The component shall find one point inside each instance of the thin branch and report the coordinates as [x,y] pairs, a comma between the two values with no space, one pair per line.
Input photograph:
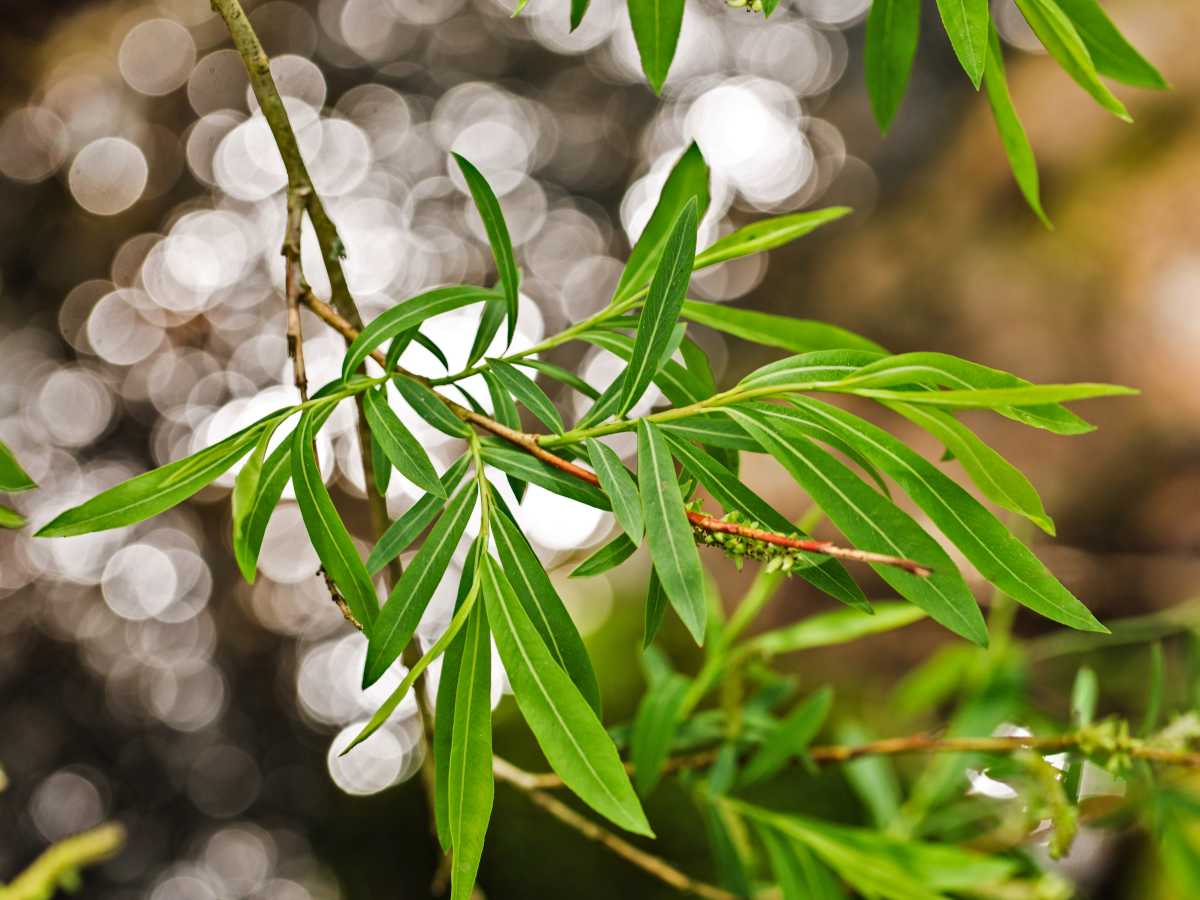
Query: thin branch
[293,278]
[530,443]
[647,862]
[59,865]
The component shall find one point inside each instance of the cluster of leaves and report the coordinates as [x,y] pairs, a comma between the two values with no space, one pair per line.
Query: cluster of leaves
[1078,34]
[506,595]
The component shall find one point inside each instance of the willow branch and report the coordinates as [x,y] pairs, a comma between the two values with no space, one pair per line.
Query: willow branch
[647,862]
[293,280]
[59,865]
[531,444]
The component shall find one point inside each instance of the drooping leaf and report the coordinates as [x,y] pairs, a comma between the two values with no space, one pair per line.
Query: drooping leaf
[516,462]
[497,232]
[790,738]
[403,316]
[155,491]
[668,533]
[874,523]
[381,467]
[966,24]
[620,487]
[558,373]
[797,335]
[688,179]
[408,527]
[607,557]
[402,449]
[654,727]
[799,874]
[661,311]
[10,518]
[655,609]
[525,391]
[565,726]
[579,9]
[679,385]
[495,311]
[767,234]
[1063,42]
[407,602]
[656,25]
[13,478]
[427,404]
[839,626]
[893,27]
[325,528]
[1012,133]
[544,607]
[242,498]
[1113,55]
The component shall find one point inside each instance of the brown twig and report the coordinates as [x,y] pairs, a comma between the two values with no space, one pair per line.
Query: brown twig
[293,278]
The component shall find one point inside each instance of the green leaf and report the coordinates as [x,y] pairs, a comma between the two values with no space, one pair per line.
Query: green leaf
[544,607]
[429,405]
[679,385]
[328,534]
[494,313]
[470,785]
[607,557]
[767,234]
[654,727]
[688,179]
[528,468]
[1001,482]
[1112,54]
[661,312]
[711,429]
[1000,558]
[155,491]
[10,518]
[406,604]
[872,778]
[381,467]
[822,572]
[656,25]
[832,367]
[1012,133]
[966,24]
[797,335]
[725,833]
[893,27]
[558,373]
[995,398]
[403,316]
[1154,690]
[406,529]
[1063,42]
[799,874]
[839,626]
[790,737]
[579,9]
[668,533]
[655,608]
[874,523]
[525,390]
[565,726]
[13,479]
[620,487]
[497,232]
[243,499]
[398,443]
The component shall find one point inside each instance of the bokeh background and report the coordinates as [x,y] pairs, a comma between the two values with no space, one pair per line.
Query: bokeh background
[141,213]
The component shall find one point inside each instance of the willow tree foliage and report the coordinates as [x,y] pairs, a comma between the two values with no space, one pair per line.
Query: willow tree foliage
[739,720]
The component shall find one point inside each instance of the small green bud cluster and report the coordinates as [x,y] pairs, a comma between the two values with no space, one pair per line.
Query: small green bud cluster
[1110,739]
[740,548]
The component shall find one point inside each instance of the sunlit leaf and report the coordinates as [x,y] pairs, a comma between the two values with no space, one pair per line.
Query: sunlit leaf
[656,25]
[966,24]
[893,27]
[767,234]
[10,518]
[246,491]
[839,626]
[497,232]
[13,478]
[812,367]
[1113,55]
[797,335]
[620,487]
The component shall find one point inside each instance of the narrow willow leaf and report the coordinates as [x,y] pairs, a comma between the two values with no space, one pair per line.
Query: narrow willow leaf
[565,726]
[874,523]
[513,461]
[412,593]
[408,527]
[1012,133]
[822,572]
[655,609]
[679,385]
[993,398]
[326,532]
[992,549]
[797,335]
[495,311]
[242,503]
[558,373]
[401,448]
[525,390]
[668,533]
[1113,55]
[656,25]
[872,778]
[1063,42]
[544,607]
[1085,692]
[688,179]
[620,487]
[505,412]
[654,727]
[767,234]
[798,873]
[579,9]
[893,27]
[815,367]
[966,24]
[13,479]
[839,626]
[155,491]
[790,738]
[403,316]
[999,480]
[661,311]
[381,467]
[607,557]
[723,830]
[10,518]
[470,785]
[711,429]
[497,232]
[695,362]
[1154,691]
[427,404]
